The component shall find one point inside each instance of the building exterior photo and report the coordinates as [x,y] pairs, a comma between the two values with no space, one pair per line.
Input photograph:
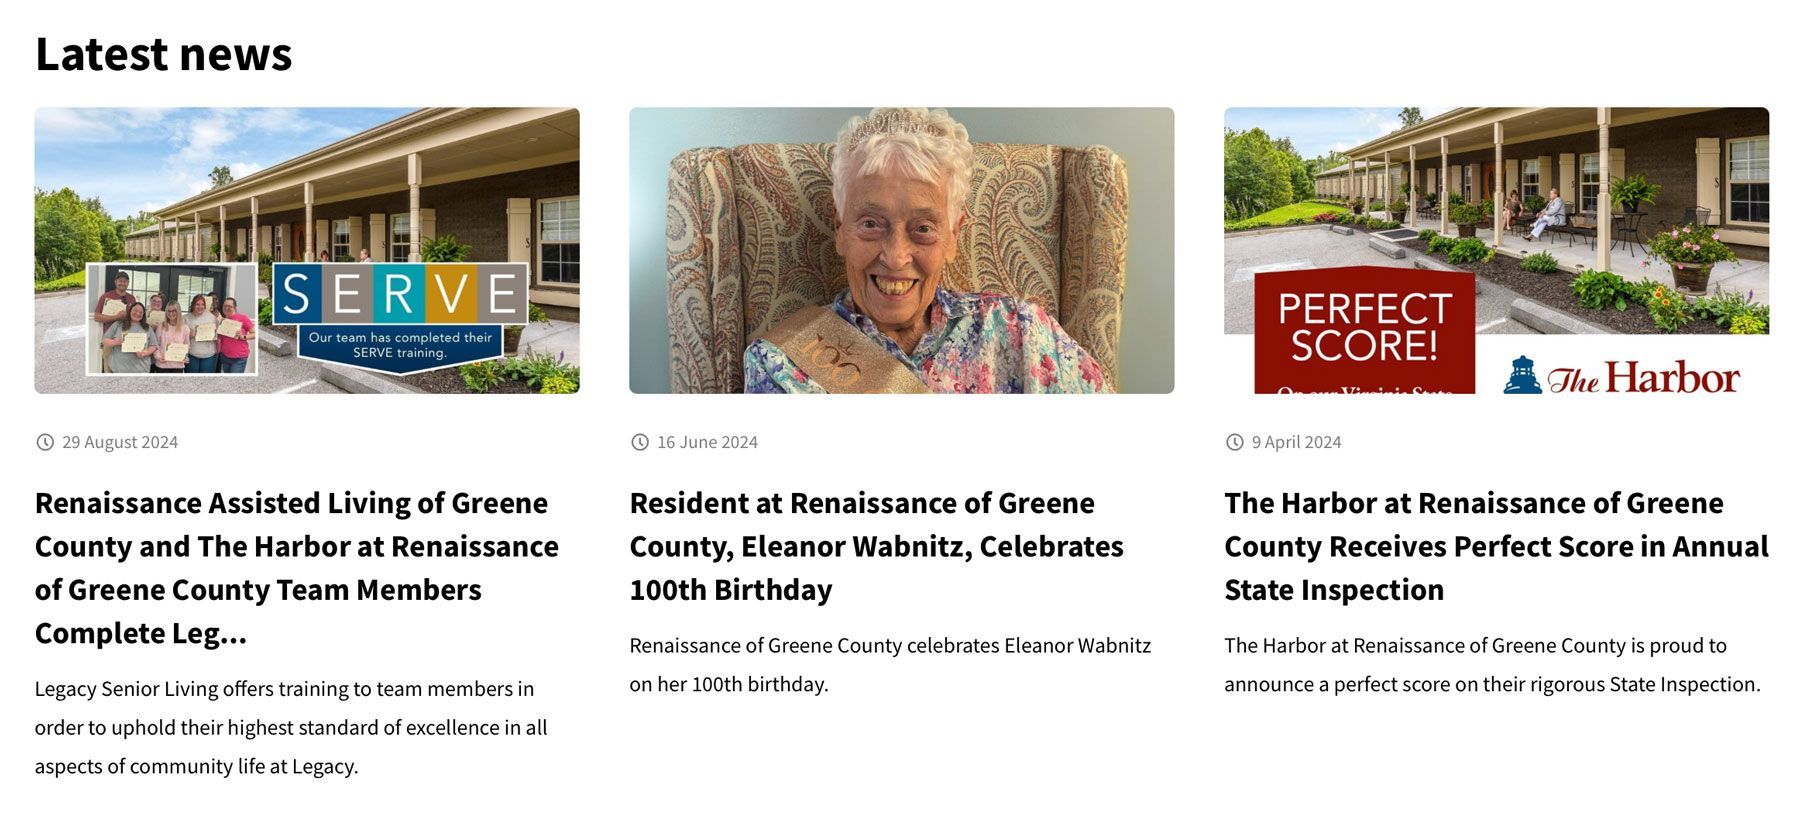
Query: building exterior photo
[502,180]
[1715,159]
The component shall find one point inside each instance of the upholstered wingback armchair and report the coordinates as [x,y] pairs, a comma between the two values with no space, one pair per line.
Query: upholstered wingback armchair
[751,241]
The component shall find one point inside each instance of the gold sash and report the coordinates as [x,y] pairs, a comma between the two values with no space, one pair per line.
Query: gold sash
[838,357]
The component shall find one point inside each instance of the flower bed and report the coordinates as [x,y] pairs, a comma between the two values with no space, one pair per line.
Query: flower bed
[1556,291]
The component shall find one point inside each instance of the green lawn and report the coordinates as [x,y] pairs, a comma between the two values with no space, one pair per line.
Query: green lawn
[1284,214]
[75,280]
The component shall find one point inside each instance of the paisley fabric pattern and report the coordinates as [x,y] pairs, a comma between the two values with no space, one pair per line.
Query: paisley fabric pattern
[750,242]
[975,343]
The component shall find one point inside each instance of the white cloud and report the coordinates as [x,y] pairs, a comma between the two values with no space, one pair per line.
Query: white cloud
[94,125]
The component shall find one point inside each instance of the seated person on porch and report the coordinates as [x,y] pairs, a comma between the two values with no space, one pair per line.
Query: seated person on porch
[1553,214]
[1512,211]
[899,181]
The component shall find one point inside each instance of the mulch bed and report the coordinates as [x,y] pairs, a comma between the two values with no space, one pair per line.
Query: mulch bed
[1553,290]
[449,380]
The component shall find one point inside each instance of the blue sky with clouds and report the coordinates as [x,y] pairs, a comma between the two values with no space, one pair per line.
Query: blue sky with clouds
[1316,131]
[145,158]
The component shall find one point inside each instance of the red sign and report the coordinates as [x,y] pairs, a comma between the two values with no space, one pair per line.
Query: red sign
[1365,329]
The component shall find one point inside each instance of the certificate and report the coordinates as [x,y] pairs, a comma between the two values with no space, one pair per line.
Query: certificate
[135,342]
[157,318]
[231,328]
[175,352]
[206,332]
[113,306]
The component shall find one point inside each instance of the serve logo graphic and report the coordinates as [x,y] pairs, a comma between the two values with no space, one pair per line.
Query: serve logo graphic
[400,317]
[1622,376]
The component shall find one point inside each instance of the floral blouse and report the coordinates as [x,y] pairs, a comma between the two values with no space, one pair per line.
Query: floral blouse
[975,343]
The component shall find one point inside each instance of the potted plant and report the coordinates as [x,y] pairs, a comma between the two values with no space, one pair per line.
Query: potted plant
[1691,251]
[1535,203]
[1465,216]
[1356,205]
[1632,191]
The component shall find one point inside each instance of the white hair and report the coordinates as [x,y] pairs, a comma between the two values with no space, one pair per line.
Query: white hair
[916,143]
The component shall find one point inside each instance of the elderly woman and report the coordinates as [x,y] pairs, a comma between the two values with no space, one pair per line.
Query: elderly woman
[899,181]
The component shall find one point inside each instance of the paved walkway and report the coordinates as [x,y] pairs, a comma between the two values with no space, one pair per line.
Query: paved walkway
[1248,255]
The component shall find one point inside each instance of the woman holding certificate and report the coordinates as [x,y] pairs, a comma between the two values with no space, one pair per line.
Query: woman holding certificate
[203,350]
[235,333]
[130,343]
[173,338]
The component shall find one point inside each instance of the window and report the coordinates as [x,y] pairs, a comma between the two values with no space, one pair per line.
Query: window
[400,242]
[1468,183]
[340,241]
[1529,176]
[1589,201]
[1749,176]
[188,285]
[559,241]
[143,283]
[275,235]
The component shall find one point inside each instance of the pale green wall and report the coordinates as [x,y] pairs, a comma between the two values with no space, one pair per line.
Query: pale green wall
[1145,137]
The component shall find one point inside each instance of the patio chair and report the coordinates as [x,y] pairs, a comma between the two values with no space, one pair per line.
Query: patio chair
[1570,229]
[750,241]
[1691,215]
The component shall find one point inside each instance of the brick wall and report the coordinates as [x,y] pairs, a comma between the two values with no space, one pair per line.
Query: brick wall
[474,210]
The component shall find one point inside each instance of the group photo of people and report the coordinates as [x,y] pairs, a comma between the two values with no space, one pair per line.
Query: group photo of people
[170,320]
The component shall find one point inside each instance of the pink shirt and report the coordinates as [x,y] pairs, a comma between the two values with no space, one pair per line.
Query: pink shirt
[167,336]
[236,348]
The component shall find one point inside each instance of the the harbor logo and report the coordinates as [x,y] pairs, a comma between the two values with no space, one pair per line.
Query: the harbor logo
[1523,380]
[1623,376]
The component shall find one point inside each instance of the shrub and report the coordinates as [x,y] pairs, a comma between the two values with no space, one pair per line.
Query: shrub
[1441,244]
[1328,216]
[1465,214]
[1640,291]
[265,312]
[1748,324]
[1428,235]
[1598,289]
[1297,221]
[481,377]
[1542,263]
[1535,203]
[1691,244]
[535,369]
[1726,307]
[265,269]
[1470,250]
[443,249]
[1378,205]
[1669,309]
[1633,191]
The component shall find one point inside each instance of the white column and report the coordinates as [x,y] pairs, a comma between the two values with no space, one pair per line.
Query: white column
[1499,182]
[1603,227]
[199,253]
[1387,176]
[1444,185]
[162,243]
[307,194]
[415,174]
[1412,186]
[224,253]
[255,247]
